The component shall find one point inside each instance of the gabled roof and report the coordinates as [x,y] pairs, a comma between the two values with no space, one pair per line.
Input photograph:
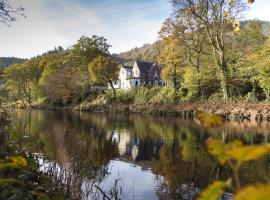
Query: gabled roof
[144,66]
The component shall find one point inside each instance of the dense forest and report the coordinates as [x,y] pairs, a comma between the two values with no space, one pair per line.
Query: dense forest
[6,61]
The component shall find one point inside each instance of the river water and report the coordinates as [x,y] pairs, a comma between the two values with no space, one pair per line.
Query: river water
[132,156]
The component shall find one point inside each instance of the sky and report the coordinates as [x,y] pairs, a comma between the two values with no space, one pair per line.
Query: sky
[125,23]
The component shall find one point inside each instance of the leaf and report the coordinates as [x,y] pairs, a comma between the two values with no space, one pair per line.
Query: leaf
[253,192]
[237,30]
[208,119]
[215,190]
[247,153]
[217,148]
[251,1]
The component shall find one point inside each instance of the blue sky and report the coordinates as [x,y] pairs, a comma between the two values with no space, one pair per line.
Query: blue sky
[125,23]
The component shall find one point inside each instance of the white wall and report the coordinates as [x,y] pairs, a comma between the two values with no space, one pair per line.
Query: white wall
[136,71]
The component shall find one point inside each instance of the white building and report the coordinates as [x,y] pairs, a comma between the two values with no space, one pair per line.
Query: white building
[141,74]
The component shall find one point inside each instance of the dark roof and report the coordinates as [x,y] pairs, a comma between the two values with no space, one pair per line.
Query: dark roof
[127,67]
[144,66]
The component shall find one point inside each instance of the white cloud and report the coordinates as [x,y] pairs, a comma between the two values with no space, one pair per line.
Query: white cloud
[259,9]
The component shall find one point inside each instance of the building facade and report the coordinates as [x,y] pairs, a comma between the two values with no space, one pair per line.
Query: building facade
[141,74]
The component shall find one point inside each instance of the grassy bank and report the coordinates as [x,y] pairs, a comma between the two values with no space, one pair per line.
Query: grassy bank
[163,101]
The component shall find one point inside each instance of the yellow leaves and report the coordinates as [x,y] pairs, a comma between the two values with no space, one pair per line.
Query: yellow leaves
[13,162]
[226,14]
[236,25]
[231,3]
[237,30]
[235,151]
[217,148]
[7,180]
[215,190]
[254,192]
[208,119]
[247,153]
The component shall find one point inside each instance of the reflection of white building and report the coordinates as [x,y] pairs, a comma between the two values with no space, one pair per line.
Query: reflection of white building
[126,144]
[122,139]
[134,152]
[141,74]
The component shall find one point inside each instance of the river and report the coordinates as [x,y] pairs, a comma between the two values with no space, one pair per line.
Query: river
[132,156]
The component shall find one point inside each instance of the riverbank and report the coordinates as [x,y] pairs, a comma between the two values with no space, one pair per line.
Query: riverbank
[230,111]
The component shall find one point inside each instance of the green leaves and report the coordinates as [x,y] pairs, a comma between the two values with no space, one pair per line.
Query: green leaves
[254,192]
[215,190]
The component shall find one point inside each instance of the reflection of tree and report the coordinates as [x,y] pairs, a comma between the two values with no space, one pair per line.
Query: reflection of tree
[83,145]
[82,156]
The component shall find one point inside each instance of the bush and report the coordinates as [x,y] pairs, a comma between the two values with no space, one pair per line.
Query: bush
[144,95]
[165,95]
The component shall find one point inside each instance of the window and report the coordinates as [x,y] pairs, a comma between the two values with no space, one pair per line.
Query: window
[156,73]
[136,83]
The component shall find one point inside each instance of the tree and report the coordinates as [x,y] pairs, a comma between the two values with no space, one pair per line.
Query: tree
[104,69]
[18,82]
[63,85]
[171,53]
[193,36]
[263,75]
[214,16]
[84,52]
[251,41]
[22,79]
[7,13]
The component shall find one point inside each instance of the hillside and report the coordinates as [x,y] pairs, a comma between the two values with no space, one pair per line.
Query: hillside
[147,52]
[6,61]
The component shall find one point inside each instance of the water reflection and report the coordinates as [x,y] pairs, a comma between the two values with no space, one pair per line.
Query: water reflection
[130,156]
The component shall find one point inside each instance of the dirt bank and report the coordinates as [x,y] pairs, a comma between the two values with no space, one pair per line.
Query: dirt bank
[231,111]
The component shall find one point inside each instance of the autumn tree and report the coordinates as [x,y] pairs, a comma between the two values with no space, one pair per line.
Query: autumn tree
[63,86]
[171,53]
[19,82]
[104,69]
[214,16]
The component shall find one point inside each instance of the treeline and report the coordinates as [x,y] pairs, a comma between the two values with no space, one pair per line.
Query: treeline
[6,61]
[61,76]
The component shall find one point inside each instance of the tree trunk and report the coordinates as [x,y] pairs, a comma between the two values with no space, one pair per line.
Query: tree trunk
[29,98]
[224,86]
[113,89]
[174,80]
